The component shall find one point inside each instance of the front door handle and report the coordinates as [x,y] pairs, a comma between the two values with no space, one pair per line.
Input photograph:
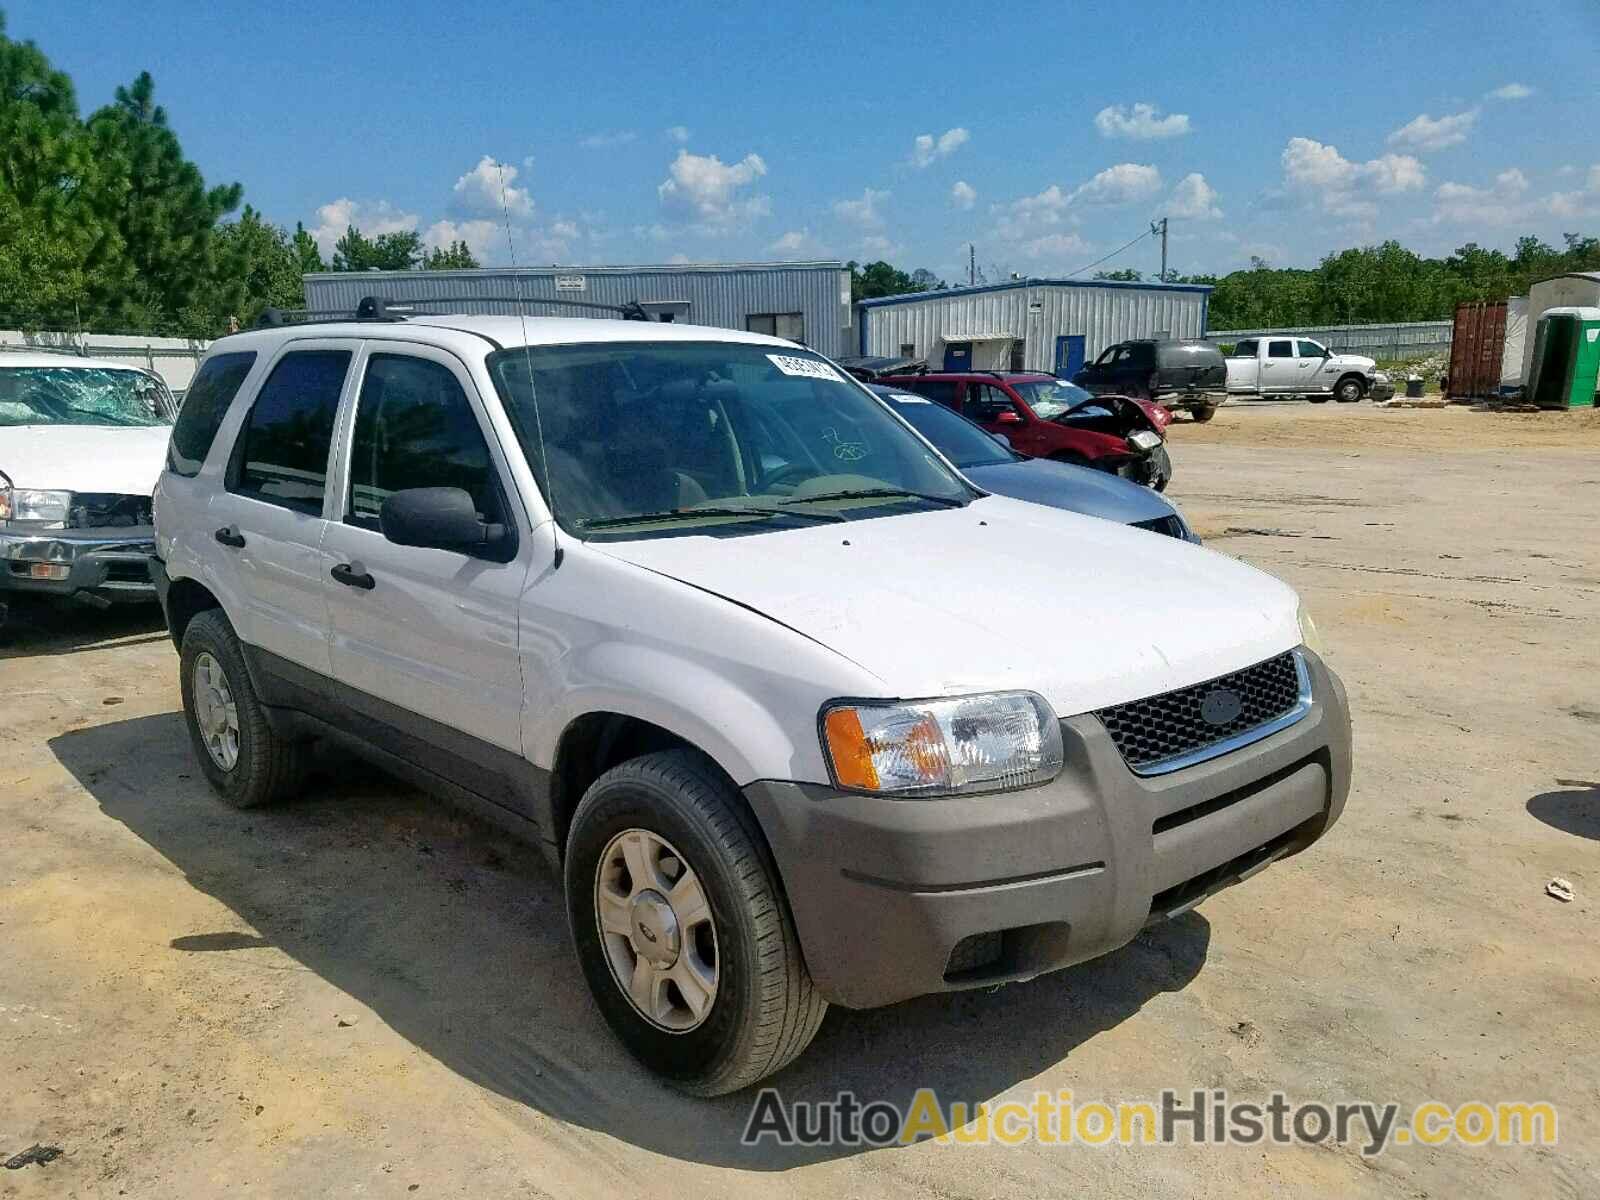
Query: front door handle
[228,535]
[350,577]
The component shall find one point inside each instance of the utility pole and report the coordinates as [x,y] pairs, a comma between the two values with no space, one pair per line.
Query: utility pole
[972,264]
[1161,228]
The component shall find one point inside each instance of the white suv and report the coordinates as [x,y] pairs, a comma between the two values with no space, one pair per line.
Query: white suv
[802,714]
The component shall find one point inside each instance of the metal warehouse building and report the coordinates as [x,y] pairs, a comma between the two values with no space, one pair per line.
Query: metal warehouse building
[1028,324]
[807,302]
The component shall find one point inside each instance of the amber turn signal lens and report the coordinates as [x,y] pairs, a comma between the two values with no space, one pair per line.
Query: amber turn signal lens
[847,746]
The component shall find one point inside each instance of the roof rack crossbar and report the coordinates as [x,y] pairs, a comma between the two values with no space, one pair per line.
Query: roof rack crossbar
[631,311]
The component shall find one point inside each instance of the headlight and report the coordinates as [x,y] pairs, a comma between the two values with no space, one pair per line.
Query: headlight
[34,506]
[1380,377]
[984,743]
[1144,440]
[1308,632]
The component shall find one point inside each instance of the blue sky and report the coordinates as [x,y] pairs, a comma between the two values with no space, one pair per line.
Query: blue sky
[1046,134]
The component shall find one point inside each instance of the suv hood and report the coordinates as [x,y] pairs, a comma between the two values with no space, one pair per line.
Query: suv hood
[1355,360]
[85,458]
[1000,594]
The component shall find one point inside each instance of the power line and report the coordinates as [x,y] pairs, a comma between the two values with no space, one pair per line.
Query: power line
[1113,254]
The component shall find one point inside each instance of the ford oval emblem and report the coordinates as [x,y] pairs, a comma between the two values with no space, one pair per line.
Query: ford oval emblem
[1221,707]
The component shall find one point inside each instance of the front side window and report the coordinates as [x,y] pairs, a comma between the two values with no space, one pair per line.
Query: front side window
[415,429]
[1312,350]
[282,452]
[985,402]
[204,406]
[657,439]
[103,396]
[1246,348]
[1049,398]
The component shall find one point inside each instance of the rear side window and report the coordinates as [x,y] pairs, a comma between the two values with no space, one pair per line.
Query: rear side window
[414,428]
[1246,348]
[207,402]
[1280,349]
[282,453]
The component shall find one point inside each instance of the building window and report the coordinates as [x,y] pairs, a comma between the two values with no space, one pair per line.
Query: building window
[784,325]
[908,350]
[1019,353]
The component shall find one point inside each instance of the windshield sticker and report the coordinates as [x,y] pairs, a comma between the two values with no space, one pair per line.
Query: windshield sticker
[904,398]
[843,450]
[804,368]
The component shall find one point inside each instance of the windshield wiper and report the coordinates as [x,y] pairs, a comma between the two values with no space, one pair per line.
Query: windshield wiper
[887,493]
[727,510]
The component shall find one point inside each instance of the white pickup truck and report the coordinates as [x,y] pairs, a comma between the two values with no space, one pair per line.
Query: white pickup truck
[1297,366]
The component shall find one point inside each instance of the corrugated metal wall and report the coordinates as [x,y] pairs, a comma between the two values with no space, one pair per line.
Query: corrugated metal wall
[1403,339]
[1104,315]
[720,295]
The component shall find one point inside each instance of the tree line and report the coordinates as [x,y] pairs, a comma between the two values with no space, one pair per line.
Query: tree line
[105,226]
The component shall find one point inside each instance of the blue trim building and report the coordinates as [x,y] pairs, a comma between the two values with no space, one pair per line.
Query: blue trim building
[1028,324]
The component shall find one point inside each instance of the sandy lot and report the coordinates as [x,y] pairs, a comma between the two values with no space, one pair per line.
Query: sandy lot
[362,993]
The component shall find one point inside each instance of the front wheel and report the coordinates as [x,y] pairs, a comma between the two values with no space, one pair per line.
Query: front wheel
[682,928]
[1349,390]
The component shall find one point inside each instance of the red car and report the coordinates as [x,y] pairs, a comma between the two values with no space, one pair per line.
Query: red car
[1046,417]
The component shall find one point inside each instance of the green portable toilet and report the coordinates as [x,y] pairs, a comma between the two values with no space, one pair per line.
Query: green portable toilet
[1566,358]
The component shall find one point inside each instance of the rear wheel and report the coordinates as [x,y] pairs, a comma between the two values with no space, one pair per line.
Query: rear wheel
[681,926]
[244,760]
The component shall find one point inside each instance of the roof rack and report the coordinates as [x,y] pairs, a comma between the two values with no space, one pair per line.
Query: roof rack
[380,308]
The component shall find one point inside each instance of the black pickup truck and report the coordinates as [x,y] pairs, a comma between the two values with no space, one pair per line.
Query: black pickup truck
[1178,373]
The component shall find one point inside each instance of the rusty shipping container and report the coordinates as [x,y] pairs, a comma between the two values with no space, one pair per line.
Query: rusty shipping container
[1477,346]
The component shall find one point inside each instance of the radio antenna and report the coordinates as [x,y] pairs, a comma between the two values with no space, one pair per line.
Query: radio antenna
[527,359]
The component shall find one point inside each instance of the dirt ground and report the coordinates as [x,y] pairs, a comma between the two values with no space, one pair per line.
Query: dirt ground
[364,994]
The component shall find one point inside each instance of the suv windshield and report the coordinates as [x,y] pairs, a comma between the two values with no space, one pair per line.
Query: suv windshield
[957,438]
[649,438]
[82,396]
[1049,398]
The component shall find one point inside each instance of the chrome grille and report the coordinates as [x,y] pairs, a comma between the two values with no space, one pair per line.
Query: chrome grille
[1160,731]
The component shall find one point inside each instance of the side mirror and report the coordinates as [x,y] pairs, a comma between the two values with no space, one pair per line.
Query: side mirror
[1007,416]
[439,518]
[1002,439]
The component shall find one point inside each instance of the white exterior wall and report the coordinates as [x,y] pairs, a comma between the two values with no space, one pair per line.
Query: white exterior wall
[1554,293]
[1104,315]
[1516,336]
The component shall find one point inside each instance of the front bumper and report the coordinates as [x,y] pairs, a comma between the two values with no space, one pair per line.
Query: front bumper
[899,898]
[1381,389]
[109,564]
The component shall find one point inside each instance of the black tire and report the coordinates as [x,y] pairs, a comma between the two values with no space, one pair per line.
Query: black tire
[1349,390]
[1160,469]
[766,1009]
[1317,399]
[268,767]
[1203,412]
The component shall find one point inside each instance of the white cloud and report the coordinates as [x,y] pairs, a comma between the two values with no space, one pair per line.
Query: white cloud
[487,191]
[927,149]
[1425,134]
[1142,123]
[679,259]
[678,133]
[1194,199]
[1120,184]
[1584,202]
[565,229]
[371,217]
[880,247]
[963,195]
[604,141]
[1057,248]
[1320,171]
[1511,91]
[798,242]
[480,236]
[1500,204]
[1030,215]
[707,189]
[863,212]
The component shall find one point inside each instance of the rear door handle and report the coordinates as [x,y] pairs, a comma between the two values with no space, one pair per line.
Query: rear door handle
[346,574]
[229,536]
